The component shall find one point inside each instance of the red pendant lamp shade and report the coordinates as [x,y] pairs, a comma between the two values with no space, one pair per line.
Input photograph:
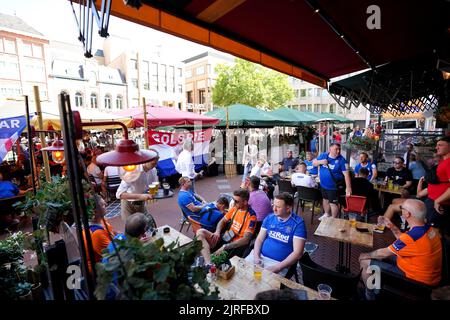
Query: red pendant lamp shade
[57,145]
[126,153]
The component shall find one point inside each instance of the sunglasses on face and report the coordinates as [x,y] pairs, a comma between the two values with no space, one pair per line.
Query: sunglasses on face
[396,162]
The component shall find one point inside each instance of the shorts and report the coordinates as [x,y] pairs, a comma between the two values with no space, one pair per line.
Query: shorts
[330,195]
[389,265]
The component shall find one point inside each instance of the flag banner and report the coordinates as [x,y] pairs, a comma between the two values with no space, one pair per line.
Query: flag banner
[10,130]
[170,144]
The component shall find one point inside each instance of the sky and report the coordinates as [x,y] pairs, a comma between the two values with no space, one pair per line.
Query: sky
[55,19]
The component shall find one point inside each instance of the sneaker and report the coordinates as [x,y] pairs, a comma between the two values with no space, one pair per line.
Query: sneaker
[325,215]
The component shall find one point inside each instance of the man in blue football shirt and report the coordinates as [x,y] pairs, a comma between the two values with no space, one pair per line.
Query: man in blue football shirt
[365,163]
[282,237]
[312,170]
[332,172]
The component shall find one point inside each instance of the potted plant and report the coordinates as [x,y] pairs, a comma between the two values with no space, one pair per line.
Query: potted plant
[362,143]
[13,273]
[225,269]
[152,271]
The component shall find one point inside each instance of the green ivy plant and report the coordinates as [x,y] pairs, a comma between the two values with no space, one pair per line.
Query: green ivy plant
[361,143]
[219,259]
[13,273]
[152,271]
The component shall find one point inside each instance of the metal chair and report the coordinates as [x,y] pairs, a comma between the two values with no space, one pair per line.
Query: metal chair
[344,285]
[184,221]
[356,204]
[286,186]
[312,195]
[112,184]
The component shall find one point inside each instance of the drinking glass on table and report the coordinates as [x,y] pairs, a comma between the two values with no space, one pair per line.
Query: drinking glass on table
[352,219]
[258,266]
[324,291]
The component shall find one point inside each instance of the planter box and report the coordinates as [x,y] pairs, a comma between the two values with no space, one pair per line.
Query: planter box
[226,275]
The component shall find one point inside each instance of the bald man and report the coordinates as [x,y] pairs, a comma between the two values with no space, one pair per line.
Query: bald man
[416,254]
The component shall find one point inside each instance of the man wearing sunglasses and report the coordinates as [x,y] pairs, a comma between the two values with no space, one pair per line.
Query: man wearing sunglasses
[416,254]
[399,174]
[234,232]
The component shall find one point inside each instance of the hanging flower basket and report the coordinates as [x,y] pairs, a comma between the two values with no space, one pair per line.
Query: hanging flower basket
[362,143]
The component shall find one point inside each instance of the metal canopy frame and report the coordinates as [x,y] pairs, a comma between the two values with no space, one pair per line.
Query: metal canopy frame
[397,88]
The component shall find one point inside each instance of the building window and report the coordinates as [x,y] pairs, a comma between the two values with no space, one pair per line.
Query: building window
[94,101]
[180,88]
[303,107]
[134,82]
[147,85]
[189,97]
[302,93]
[37,51]
[134,64]
[188,73]
[297,93]
[200,70]
[10,46]
[332,107]
[317,92]
[108,101]
[78,99]
[119,102]
[310,92]
[201,96]
[317,108]
[180,72]
[324,108]
[26,49]
[310,107]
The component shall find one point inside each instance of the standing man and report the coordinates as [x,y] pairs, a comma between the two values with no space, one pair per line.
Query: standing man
[333,172]
[365,163]
[282,237]
[408,153]
[133,190]
[249,158]
[438,202]
[185,164]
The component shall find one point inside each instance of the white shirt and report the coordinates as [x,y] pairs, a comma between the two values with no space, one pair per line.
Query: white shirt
[185,164]
[265,168]
[303,180]
[111,171]
[256,171]
[95,171]
[140,185]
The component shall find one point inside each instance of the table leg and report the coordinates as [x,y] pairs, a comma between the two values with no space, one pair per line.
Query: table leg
[340,265]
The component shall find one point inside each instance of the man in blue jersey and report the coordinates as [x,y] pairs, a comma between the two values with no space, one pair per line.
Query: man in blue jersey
[312,170]
[333,172]
[365,163]
[282,237]
[188,201]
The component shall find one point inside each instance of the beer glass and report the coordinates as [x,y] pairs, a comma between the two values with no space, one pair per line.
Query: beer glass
[257,269]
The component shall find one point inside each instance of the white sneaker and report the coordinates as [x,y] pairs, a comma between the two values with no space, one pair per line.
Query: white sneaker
[325,215]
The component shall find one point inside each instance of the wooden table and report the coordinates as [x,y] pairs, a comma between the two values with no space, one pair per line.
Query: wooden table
[171,236]
[243,286]
[341,230]
[382,191]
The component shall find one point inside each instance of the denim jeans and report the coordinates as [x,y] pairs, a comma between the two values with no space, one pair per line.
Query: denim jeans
[247,170]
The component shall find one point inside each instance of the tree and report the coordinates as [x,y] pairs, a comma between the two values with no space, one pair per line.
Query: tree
[251,84]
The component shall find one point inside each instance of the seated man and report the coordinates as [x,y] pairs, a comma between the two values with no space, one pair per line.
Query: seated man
[282,237]
[301,179]
[288,163]
[99,230]
[188,201]
[212,213]
[259,201]
[236,238]
[361,186]
[399,174]
[416,254]
[365,163]
[310,168]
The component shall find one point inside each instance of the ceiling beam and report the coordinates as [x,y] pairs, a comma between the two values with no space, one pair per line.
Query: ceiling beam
[218,9]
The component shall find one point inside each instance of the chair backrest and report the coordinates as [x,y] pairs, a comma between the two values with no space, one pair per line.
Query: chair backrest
[195,224]
[309,194]
[286,186]
[343,285]
[396,287]
[355,204]
[113,180]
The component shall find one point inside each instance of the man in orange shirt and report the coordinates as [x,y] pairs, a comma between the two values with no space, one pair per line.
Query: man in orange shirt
[416,254]
[99,229]
[237,237]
